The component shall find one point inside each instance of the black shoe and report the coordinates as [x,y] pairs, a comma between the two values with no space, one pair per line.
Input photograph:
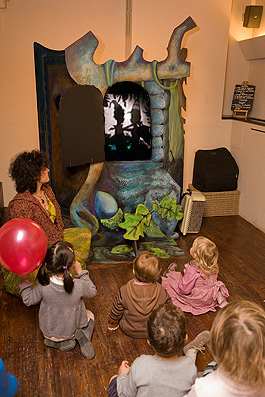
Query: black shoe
[64,345]
[86,346]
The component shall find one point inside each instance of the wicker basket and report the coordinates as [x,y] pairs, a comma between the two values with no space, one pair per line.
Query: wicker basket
[220,203]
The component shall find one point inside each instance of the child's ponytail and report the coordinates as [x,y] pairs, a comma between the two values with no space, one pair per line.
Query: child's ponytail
[59,258]
[68,282]
[42,275]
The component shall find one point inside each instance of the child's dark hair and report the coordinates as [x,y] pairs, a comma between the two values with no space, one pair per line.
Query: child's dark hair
[59,257]
[166,329]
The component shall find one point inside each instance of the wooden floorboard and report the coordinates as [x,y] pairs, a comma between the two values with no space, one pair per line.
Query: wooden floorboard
[46,372]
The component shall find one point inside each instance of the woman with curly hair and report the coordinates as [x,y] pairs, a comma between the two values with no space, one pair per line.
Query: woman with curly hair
[35,200]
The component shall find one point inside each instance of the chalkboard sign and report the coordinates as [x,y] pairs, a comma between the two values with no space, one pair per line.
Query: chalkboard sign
[243,97]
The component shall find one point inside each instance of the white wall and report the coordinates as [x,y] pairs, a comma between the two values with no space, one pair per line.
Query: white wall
[153,23]
[55,25]
[256,70]
[247,144]
[211,76]
[248,148]
[238,69]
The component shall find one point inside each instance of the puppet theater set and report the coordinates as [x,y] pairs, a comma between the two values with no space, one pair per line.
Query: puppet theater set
[114,136]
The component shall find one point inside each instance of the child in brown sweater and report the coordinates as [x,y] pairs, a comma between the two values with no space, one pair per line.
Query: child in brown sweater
[137,299]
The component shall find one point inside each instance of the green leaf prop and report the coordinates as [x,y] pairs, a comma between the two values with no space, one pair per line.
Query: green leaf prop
[169,208]
[122,249]
[160,253]
[135,224]
[141,222]
[113,223]
[153,230]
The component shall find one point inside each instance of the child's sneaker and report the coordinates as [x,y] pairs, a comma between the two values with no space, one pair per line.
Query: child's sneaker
[64,345]
[212,366]
[171,268]
[85,344]
[196,345]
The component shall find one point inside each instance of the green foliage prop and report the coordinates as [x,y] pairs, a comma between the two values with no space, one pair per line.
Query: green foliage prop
[122,249]
[138,224]
[113,223]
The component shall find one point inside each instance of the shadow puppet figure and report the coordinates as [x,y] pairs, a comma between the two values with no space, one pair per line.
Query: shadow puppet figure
[140,148]
[116,145]
[132,142]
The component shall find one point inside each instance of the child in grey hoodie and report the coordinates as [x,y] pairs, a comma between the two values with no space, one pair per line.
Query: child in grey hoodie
[63,317]
[166,373]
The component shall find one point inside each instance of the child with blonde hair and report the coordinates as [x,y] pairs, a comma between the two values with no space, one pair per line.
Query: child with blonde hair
[63,317]
[198,290]
[237,343]
[136,300]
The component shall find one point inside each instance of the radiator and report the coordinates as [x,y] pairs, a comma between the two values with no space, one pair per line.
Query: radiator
[193,203]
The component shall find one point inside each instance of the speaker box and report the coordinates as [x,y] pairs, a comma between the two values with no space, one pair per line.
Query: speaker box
[215,170]
[193,206]
[252,16]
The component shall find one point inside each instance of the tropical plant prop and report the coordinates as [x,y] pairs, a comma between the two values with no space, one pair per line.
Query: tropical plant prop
[113,222]
[162,249]
[141,222]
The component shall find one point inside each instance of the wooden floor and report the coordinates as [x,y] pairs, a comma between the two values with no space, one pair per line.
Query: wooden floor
[42,371]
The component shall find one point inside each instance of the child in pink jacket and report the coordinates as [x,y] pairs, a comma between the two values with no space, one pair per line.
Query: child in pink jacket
[198,290]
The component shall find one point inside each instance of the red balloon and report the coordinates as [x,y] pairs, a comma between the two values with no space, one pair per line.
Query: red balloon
[23,245]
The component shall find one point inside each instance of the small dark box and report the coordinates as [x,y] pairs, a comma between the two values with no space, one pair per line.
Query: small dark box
[252,16]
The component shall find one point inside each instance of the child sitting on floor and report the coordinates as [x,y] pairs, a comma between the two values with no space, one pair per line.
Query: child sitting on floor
[198,291]
[63,317]
[167,373]
[237,343]
[135,300]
